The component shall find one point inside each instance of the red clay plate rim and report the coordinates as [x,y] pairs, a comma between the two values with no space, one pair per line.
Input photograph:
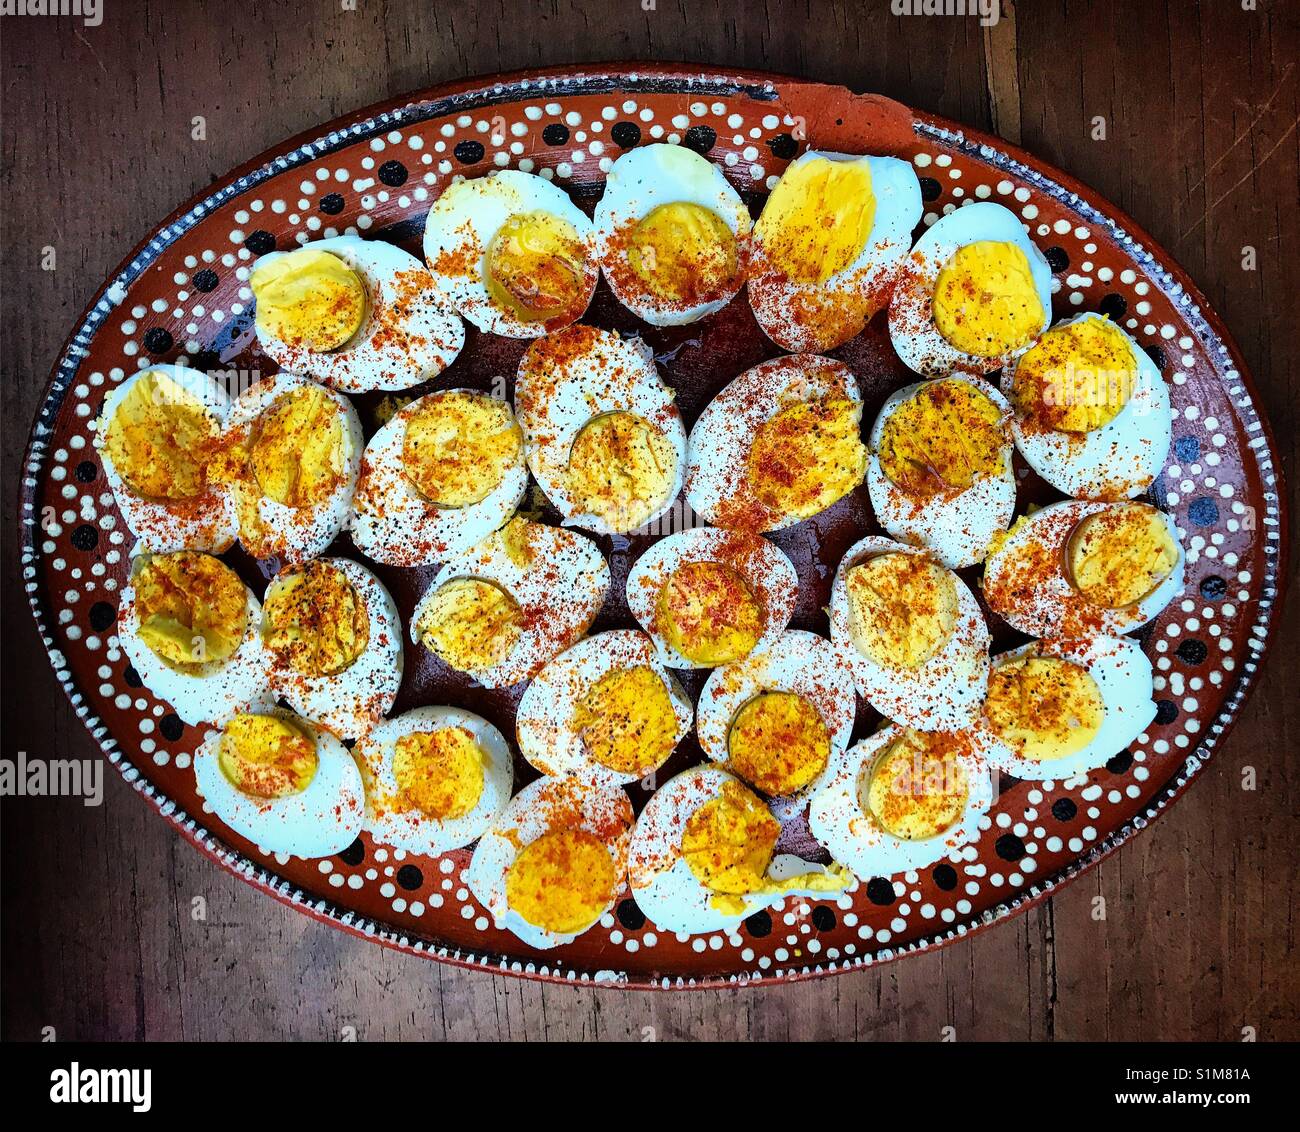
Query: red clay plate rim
[438,100]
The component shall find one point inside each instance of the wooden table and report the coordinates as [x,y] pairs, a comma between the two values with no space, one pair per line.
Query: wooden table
[1200,108]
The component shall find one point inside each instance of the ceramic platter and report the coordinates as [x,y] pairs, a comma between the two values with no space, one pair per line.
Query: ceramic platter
[184,292]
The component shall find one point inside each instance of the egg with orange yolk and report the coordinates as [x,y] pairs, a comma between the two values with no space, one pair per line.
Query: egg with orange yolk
[512,253]
[191,628]
[555,861]
[283,782]
[1061,708]
[1075,569]
[912,633]
[605,708]
[828,245]
[436,778]
[335,640]
[604,436]
[974,293]
[439,477]
[902,799]
[1092,413]
[672,234]
[159,437]
[703,856]
[940,474]
[357,315]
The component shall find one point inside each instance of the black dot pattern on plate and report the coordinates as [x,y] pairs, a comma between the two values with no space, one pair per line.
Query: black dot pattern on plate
[1187,448]
[630,916]
[468,152]
[625,134]
[171,727]
[86,472]
[393,174]
[1064,809]
[1192,651]
[331,204]
[1057,259]
[158,340]
[1203,512]
[206,360]
[260,242]
[557,133]
[759,925]
[1166,712]
[701,139]
[102,615]
[1113,306]
[1214,588]
[823,918]
[1119,764]
[1009,847]
[880,891]
[409,877]
[930,188]
[1157,355]
[85,537]
[945,877]
[783,146]
[132,677]
[354,854]
[204,280]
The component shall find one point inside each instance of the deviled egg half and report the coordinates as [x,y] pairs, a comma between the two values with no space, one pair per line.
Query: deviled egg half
[604,436]
[912,633]
[357,315]
[902,799]
[512,253]
[335,641]
[703,856]
[606,708]
[775,718]
[444,473]
[828,245]
[779,444]
[159,438]
[192,631]
[974,293]
[941,474]
[1075,569]
[436,778]
[555,860]
[281,781]
[513,602]
[672,234]
[1092,412]
[709,596]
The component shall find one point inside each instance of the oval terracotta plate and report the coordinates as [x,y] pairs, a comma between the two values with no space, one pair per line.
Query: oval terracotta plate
[184,292]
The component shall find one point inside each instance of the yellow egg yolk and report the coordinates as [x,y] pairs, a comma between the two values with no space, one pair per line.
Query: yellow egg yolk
[1076,378]
[818,219]
[563,881]
[683,252]
[299,448]
[985,302]
[471,623]
[308,299]
[193,609]
[902,608]
[160,439]
[626,720]
[439,773]
[458,447]
[807,456]
[266,756]
[916,788]
[1044,708]
[621,468]
[778,743]
[315,620]
[535,267]
[728,842]
[944,438]
[708,613]
[1117,556]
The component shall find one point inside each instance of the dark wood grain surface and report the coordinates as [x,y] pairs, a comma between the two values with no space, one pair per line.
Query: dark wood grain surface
[1200,105]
